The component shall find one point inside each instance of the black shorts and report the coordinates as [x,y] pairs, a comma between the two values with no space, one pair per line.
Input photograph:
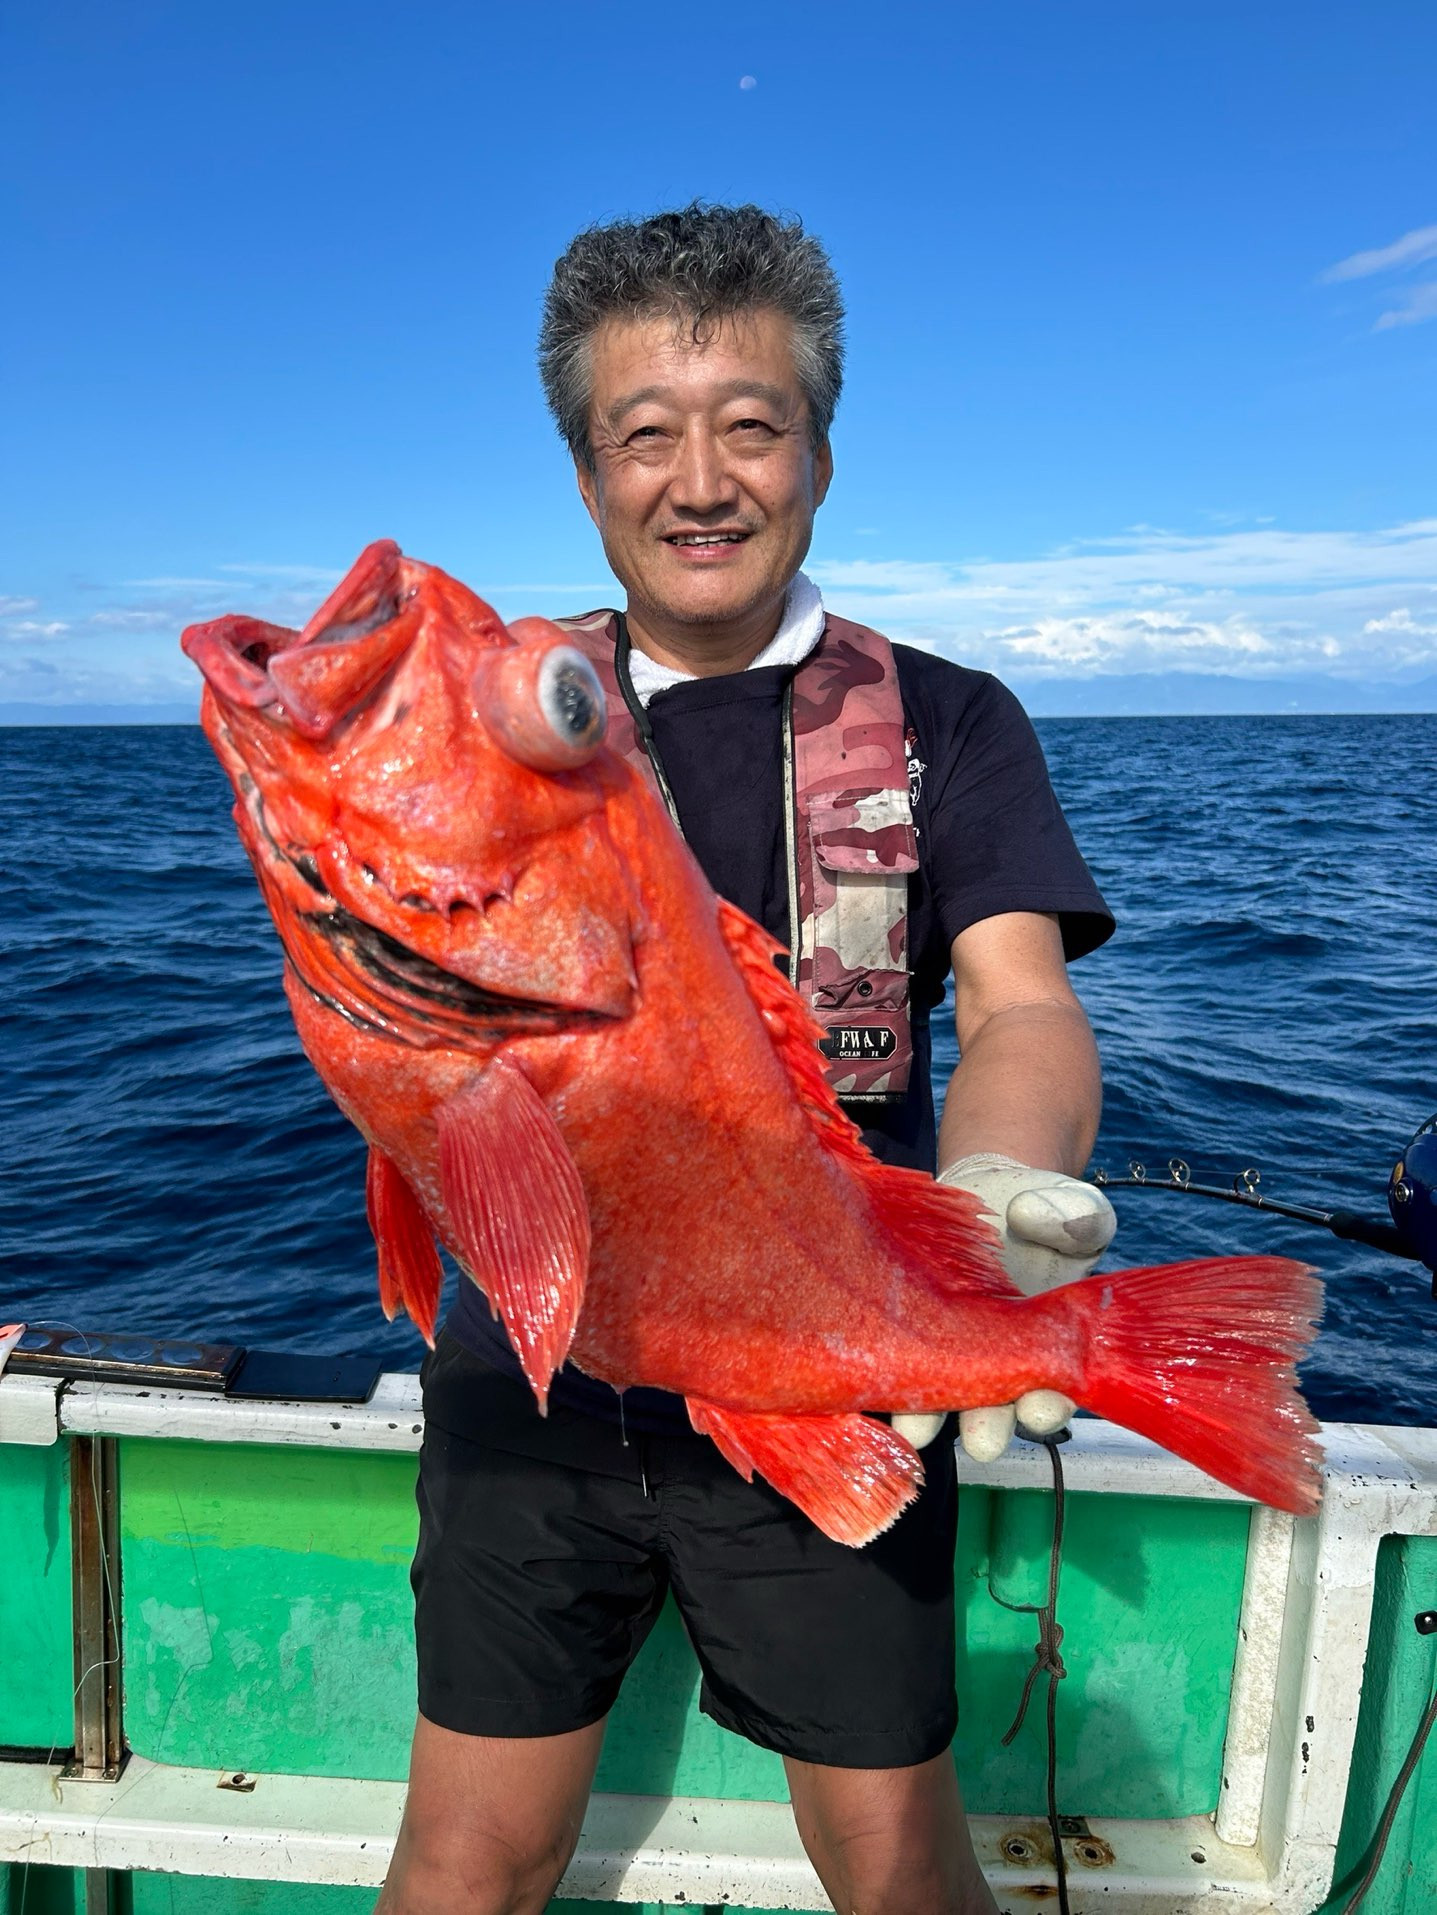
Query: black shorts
[547,1546]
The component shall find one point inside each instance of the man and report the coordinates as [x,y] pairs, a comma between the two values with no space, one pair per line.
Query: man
[693,362]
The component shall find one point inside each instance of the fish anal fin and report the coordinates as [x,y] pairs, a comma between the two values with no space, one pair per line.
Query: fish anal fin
[850,1475]
[410,1273]
[935,1228]
[517,1205]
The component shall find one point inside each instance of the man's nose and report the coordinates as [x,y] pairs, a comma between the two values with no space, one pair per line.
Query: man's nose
[701,481]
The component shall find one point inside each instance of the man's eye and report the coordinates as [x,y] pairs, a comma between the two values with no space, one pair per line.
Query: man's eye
[644,432]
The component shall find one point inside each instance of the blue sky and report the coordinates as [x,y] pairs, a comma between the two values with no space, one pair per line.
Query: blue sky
[1142,335]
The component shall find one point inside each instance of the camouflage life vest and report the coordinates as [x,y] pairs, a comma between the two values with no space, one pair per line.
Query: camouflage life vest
[851,842]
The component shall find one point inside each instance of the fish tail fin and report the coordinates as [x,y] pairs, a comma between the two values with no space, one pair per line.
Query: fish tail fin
[1201,1357]
[851,1475]
[410,1273]
[10,1335]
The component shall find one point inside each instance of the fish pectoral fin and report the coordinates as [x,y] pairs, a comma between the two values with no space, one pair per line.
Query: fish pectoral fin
[517,1205]
[410,1273]
[850,1475]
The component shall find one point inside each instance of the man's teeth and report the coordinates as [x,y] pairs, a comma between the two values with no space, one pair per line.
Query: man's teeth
[706,538]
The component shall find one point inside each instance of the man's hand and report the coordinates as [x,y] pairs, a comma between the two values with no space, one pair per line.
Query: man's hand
[1051,1229]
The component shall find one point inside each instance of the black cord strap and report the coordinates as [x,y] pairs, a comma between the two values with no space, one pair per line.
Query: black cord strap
[1426,1625]
[1047,1657]
[639,713]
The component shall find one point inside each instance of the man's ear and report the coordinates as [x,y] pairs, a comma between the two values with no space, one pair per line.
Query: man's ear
[822,473]
[588,490]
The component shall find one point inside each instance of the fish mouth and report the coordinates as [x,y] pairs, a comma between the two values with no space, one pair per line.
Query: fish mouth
[379,984]
[417,986]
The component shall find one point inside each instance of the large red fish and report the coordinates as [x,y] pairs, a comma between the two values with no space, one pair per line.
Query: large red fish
[581,1071]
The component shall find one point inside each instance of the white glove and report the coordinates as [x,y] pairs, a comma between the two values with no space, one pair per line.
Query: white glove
[1051,1229]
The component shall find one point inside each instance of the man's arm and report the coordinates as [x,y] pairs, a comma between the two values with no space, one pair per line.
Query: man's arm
[1028,1084]
[1018,1123]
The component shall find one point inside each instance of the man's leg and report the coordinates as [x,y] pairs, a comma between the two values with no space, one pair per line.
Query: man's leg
[889,1841]
[490,1823]
[536,1579]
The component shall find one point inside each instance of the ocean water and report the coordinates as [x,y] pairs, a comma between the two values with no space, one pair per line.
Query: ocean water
[169,1163]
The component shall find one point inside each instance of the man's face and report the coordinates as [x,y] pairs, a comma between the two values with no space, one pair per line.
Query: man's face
[706,479]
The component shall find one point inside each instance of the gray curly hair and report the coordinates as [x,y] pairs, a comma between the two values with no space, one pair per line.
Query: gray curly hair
[699,266]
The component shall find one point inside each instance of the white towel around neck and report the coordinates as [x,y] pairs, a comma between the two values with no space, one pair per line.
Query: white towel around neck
[799,631]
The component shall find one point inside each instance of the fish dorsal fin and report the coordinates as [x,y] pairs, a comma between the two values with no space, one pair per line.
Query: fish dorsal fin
[934,1226]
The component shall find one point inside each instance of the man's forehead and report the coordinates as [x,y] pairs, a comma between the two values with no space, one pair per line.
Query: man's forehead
[634,361]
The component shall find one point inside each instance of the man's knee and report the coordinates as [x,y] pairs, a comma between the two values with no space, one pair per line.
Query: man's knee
[890,1842]
[474,1873]
[490,1824]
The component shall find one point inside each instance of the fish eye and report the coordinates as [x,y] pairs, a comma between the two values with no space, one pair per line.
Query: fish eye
[571,698]
[541,699]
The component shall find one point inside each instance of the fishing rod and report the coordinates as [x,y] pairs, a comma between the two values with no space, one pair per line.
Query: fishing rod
[1411,1200]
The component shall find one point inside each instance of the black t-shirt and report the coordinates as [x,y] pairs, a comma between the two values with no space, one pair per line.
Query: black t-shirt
[991,838]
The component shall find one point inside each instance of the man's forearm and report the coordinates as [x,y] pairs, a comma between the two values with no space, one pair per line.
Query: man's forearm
[1028,1086]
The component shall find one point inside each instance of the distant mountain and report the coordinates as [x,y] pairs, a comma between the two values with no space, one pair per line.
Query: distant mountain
[1201,694]
[1115,695]
[176,714]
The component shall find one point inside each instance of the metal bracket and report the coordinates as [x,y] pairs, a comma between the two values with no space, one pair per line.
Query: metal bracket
[100,1752]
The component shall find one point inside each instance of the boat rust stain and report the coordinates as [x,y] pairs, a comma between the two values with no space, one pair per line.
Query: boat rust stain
[1027,1845]
[1093,1852]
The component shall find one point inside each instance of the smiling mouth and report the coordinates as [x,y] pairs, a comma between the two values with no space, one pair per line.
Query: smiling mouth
[692,540]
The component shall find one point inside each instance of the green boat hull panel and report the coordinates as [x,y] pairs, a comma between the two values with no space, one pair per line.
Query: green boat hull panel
[268,1628]
[36,1713]
[1401,1674]
[1209,1726]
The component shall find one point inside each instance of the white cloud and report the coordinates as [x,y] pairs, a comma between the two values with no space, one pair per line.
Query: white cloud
[1420,304]
[1255,603]
[558,591]
[28,628]
[324,574]
[1135,641]
[1401,620]
[132,618]
[178,585]
[26,680]
[1411,250]
[122,641]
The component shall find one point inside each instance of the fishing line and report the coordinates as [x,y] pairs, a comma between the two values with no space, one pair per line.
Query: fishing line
[1047,1656]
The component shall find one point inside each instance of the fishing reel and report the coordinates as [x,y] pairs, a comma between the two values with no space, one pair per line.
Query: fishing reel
[1412,1196]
